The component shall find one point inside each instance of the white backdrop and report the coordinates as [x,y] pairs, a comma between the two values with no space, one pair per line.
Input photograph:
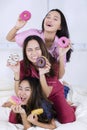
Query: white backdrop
[10,10]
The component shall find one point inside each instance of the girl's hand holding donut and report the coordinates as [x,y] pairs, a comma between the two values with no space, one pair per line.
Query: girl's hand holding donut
[22,20]
[20,23]
[15,68]
[63,42]
[41,62]
[45,69]
[18,109]
[13,62]
[25,15]
[33,119]
[63,51]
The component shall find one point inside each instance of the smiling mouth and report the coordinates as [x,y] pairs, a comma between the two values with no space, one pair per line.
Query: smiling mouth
[49,25]
[23,99]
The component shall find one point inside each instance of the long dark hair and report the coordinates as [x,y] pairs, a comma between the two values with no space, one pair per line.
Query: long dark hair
[43,49]
[63,32]
[35,101]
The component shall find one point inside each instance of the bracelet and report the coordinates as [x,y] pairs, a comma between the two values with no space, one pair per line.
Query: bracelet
[16,79]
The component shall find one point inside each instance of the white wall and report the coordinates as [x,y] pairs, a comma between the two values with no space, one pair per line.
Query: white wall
[75,12]
[10,10]
[76,69]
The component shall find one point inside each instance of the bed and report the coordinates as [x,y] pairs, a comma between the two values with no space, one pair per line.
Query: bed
[77,95]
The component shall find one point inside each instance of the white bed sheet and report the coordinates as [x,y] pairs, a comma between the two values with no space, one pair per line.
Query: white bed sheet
[78,96]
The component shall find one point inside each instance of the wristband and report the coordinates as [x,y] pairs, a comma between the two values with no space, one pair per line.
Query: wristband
[16,79]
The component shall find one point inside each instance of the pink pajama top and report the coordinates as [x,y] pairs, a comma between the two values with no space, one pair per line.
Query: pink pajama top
[20,37]
[65,113]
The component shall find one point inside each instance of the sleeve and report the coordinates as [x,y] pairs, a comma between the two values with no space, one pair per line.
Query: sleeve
[22,71]
[12,117]
[20,37]
[56,68]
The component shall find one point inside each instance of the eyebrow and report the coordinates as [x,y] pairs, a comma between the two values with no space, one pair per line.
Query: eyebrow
[54,16]
[22,87]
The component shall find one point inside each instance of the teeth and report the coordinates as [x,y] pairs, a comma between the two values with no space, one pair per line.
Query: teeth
[23,99]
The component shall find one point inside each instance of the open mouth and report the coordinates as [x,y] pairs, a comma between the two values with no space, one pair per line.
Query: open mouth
[49,25]
[23,99]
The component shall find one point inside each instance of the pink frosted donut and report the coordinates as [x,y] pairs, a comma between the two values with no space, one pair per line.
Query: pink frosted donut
[15,100]
[41,62]
[25,15]
[63,42]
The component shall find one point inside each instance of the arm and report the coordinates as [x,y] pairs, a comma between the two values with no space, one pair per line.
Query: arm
[12,33]
[17,80]
[25,122]
[62,60]
[21,111]
[42,71]
[46,89]
[61,67]
[34,120]
[16,69]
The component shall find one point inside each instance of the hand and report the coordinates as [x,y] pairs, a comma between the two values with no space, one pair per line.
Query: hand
[33,119]
[20,23]
[15,68]
[45,69]
[7,104]
[18,109]
[63,51]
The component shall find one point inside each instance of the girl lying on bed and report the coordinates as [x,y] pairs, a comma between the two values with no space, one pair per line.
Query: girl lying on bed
[32,97]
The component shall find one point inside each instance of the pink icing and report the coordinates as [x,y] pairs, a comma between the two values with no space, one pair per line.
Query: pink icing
[63,42]
[16,99]
[25,15]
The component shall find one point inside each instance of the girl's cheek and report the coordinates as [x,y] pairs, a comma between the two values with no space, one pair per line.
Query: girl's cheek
[28,95]
[19,93]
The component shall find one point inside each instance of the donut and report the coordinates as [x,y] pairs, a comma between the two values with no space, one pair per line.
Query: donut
[13,59]
[25,15]
[15,100]
[63,42]
[37,111]
[41,62]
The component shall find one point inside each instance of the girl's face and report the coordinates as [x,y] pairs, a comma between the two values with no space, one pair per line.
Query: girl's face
[52,22]
[24,91]
[33,51]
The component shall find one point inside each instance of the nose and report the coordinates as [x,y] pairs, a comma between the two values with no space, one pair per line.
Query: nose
[22,93]
[34,52]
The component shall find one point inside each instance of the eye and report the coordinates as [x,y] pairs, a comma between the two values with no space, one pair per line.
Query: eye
[29,49]
[48,17]
[55,19]
[19,88]
[37,48]
[28,89]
